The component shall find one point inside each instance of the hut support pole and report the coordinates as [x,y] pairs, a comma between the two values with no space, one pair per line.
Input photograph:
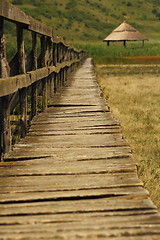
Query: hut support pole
[124,43]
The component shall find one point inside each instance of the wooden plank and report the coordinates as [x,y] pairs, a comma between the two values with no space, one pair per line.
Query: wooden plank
[141,217]
[73,175]
[12,84]
[10,12]
[77,206]
[68,154]
[20,196]
[103,166]
[39,27]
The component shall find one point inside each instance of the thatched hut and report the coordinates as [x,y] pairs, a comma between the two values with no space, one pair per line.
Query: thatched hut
[124,32]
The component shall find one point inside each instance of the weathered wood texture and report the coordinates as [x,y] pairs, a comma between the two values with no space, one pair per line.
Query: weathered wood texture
[73,176]
[26,78]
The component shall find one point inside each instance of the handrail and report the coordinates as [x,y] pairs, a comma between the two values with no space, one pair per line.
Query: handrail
[30,77]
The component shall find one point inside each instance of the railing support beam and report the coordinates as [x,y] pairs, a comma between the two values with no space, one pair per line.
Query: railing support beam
[22,70]
[5,129]
[34,88]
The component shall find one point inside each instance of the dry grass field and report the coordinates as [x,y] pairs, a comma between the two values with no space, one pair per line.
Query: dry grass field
[133,93]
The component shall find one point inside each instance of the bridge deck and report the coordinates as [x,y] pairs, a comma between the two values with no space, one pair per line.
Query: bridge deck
[73,176]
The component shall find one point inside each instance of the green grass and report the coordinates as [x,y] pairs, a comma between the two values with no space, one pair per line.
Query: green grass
[116,53]
[93,20]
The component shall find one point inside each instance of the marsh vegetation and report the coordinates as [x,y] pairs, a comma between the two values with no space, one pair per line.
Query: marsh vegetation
[133,93]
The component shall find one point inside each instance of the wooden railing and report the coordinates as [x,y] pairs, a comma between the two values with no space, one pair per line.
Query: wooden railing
[28,81]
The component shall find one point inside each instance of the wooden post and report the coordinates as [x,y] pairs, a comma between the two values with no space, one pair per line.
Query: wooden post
[58,53]
[20,48]
[124,43]
[51,85]
[23,111]
[34,89]
[43,51]
[5,129]
[63,53]
[44,94]
[4,67]
[58,80]
[65,74]
[55,54]
[23,91]
[55,82]
[34,51]
[63,81]
[43,64]
[49,54]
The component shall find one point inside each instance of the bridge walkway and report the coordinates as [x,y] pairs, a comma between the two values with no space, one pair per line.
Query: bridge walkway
[73,175]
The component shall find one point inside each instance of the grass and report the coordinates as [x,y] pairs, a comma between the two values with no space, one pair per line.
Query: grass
[93,20]
[132,92]
[117,54]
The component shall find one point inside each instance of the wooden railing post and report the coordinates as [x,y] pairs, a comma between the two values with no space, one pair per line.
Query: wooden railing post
[55,54]
[65,74]
[22,70]
[5,128]
[44,94]
[49,51]
[58,53]
[34,51]
[43,64]
[43,51]
[55,62]
[4,66]
[50,81]
[34,89]
[51,85]
[55,82]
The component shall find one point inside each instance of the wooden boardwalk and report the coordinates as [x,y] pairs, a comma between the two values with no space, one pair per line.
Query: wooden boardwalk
[73,176]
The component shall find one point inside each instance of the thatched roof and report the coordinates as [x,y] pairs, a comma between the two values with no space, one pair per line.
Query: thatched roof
[125,32]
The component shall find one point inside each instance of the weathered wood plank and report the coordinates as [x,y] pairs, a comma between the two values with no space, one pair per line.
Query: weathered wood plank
[20,196]
[69,154]
[141,216]
[10,85]
[73,176]
[10,12]
[77,206]
[39,27]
